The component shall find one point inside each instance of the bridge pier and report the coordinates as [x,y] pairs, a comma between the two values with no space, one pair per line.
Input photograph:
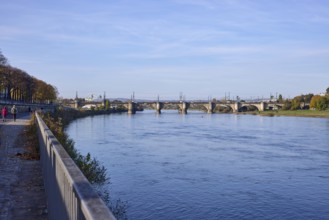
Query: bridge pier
[262,107]
[237,106]
[131,107]
[182,107]
[210,107]
[158,107]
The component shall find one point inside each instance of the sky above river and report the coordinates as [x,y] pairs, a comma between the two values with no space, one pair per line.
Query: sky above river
[201,48]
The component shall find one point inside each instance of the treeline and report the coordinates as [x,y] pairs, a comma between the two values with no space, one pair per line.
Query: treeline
[318,102]
[18,85]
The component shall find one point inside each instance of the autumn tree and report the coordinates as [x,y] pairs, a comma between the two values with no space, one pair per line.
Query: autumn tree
[296,102]
[5,81]
[16,84]
[43,91]
[319,102]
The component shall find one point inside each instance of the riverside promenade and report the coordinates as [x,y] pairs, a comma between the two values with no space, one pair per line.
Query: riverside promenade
[22,194]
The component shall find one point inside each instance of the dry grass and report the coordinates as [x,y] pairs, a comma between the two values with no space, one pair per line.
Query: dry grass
[297,113]
[29,139]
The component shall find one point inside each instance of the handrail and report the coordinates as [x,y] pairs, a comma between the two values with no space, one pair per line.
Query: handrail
[69,193]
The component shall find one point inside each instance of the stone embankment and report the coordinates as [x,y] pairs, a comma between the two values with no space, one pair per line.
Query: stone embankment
[22,194]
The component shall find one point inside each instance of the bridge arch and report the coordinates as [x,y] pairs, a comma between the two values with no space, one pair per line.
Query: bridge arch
[203,108]
[223,108]
[248,108]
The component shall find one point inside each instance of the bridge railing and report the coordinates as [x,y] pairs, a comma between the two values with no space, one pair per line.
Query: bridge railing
[69,193]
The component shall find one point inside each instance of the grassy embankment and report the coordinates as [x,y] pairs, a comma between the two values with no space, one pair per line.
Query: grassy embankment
[297,113]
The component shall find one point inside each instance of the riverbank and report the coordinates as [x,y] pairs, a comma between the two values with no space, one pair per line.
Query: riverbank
[292,113]
[69,115]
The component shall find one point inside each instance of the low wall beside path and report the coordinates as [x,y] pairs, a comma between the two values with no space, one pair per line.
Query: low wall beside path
[69,193]
[26,107]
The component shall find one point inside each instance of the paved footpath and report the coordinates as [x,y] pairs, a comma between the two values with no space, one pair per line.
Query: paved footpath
[22,194]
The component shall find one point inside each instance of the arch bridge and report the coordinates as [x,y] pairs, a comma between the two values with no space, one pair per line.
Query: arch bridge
[210,107]
[183,106]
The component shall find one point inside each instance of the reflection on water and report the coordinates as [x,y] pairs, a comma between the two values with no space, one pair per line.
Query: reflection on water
[221,166]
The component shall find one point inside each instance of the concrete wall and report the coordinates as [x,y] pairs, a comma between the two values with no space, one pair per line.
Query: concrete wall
[69,194]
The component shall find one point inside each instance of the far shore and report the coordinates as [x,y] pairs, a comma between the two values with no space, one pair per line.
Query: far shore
[293,113]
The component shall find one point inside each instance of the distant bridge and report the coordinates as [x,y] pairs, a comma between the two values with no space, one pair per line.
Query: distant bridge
[207,106]
[210,107]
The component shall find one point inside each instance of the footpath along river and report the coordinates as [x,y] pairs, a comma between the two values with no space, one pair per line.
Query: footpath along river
[220,166]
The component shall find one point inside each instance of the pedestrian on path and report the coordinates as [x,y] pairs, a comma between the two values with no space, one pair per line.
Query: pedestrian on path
[14,112]
[4,113]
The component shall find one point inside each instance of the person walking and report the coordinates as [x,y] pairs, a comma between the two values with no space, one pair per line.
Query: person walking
[4,113]
[14,112]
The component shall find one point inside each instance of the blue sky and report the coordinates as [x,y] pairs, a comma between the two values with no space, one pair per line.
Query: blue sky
[202,48]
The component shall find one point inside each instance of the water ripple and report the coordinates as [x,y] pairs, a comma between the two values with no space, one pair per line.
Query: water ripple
[211,167]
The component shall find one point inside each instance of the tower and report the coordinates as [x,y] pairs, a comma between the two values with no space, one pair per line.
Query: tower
[76,101]
[104,100]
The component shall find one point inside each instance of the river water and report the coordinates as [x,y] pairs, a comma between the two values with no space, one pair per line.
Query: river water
[219,166]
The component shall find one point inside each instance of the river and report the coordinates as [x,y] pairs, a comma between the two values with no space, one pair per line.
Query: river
[211,166]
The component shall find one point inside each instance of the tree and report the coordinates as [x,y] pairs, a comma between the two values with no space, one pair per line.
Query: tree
[295,104]
[280,99]
[299,101]
[308,98]
[319,102]
[43,91]
[16,84]
[327,91]
[3,60]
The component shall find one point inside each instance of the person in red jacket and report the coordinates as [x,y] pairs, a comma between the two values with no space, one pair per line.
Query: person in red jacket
[4,113]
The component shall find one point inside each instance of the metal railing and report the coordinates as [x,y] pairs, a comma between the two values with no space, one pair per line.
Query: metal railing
[69,193]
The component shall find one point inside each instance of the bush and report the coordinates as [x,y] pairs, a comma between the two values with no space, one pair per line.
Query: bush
[91,168]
